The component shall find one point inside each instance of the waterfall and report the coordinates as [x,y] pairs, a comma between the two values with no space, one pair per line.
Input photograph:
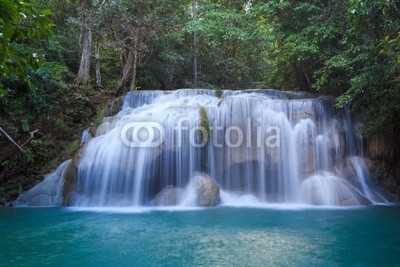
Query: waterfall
[363,180]
[48,192]
[265,146]
[86,135]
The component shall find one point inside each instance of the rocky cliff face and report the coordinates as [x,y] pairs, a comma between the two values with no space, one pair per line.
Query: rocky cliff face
[384,156]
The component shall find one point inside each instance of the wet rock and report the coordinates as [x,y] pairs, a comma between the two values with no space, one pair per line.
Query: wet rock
[380,148]
[114,107]
[6,204]
[328,190]
[70,178]
[13,193]
[46,193]
[349,202]
[169,196]
[385,165]
[208,192]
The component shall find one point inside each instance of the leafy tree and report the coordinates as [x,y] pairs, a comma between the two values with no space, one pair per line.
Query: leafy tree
[232,39]
[21,23]
[347,48]
[375,81]
[132,27]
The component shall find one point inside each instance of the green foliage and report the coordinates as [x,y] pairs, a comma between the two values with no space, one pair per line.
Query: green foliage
[35,156]
[231,42]
[40,151]
[346,48]
[204,125]
[20,23]
[166,68]
[51,75]
[99,117]
[63,127]
[73,148]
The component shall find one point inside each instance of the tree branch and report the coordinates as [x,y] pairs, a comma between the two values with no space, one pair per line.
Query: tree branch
[3,132]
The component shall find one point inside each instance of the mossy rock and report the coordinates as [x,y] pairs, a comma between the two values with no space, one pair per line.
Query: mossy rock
[205,125]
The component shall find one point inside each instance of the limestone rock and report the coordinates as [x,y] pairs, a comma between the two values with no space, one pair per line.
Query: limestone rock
[169,196]
[69,178]
[208,192]
[48,192]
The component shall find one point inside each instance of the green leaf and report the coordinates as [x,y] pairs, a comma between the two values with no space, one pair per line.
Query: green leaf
[46,12]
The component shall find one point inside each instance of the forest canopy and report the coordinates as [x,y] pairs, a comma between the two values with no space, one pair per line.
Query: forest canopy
[345,48]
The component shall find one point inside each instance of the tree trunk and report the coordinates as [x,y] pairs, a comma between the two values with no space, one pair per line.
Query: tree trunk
[194,47]
[194,60]
[134,70]
[126,74]
[307,78]
[129,70]
[98,70]
[9,139]
[83,77]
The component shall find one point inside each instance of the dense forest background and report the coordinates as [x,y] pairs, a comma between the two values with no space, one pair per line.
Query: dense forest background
[62,61]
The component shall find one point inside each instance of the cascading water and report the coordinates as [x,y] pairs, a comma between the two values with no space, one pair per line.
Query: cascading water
[258,145]
[363,180]
[48,192]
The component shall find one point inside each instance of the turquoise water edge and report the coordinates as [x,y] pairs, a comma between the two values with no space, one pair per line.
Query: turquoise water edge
[222,236]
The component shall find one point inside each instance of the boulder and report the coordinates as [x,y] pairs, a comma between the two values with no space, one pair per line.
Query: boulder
[70,178]
[169,196]
[114,107]
[207,191]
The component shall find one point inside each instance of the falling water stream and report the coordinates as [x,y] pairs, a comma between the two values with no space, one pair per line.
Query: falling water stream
[260,146]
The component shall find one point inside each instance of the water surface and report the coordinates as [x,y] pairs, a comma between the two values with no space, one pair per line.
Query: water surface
[222,236]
